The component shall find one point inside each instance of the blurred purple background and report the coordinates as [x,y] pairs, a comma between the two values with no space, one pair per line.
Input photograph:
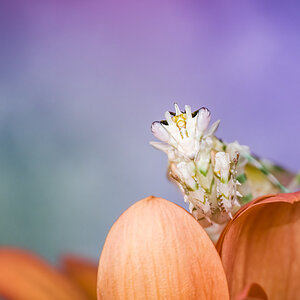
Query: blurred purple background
[82,81]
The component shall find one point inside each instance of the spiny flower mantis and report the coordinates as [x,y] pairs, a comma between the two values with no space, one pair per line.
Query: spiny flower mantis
[216,178]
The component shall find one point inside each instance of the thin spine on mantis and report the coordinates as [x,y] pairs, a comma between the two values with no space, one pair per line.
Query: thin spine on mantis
[211,174]
[254,162]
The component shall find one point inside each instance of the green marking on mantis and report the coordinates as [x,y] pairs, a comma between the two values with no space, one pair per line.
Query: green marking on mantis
[283,188]
[246,198]
[264,170]
[204,173]
[241,178]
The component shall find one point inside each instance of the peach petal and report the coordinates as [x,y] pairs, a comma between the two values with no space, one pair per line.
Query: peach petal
[252,292]
[82,272]
[157,250]
[25,276]
[262,244]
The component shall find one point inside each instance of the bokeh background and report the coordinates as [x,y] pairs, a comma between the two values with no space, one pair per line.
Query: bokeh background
[82,81]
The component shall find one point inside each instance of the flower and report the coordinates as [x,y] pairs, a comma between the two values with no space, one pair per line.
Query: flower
[262,244]
[211,174]
[24,275]
[82,271]
[156,250]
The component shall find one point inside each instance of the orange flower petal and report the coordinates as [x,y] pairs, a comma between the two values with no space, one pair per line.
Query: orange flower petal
[157,250]
[82,272]
[262,244]
[25,276]
[253,292]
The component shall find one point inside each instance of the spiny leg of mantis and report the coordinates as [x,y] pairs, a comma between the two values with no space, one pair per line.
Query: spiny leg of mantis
[254,162]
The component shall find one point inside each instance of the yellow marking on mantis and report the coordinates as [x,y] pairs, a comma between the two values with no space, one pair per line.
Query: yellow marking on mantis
[180,122]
